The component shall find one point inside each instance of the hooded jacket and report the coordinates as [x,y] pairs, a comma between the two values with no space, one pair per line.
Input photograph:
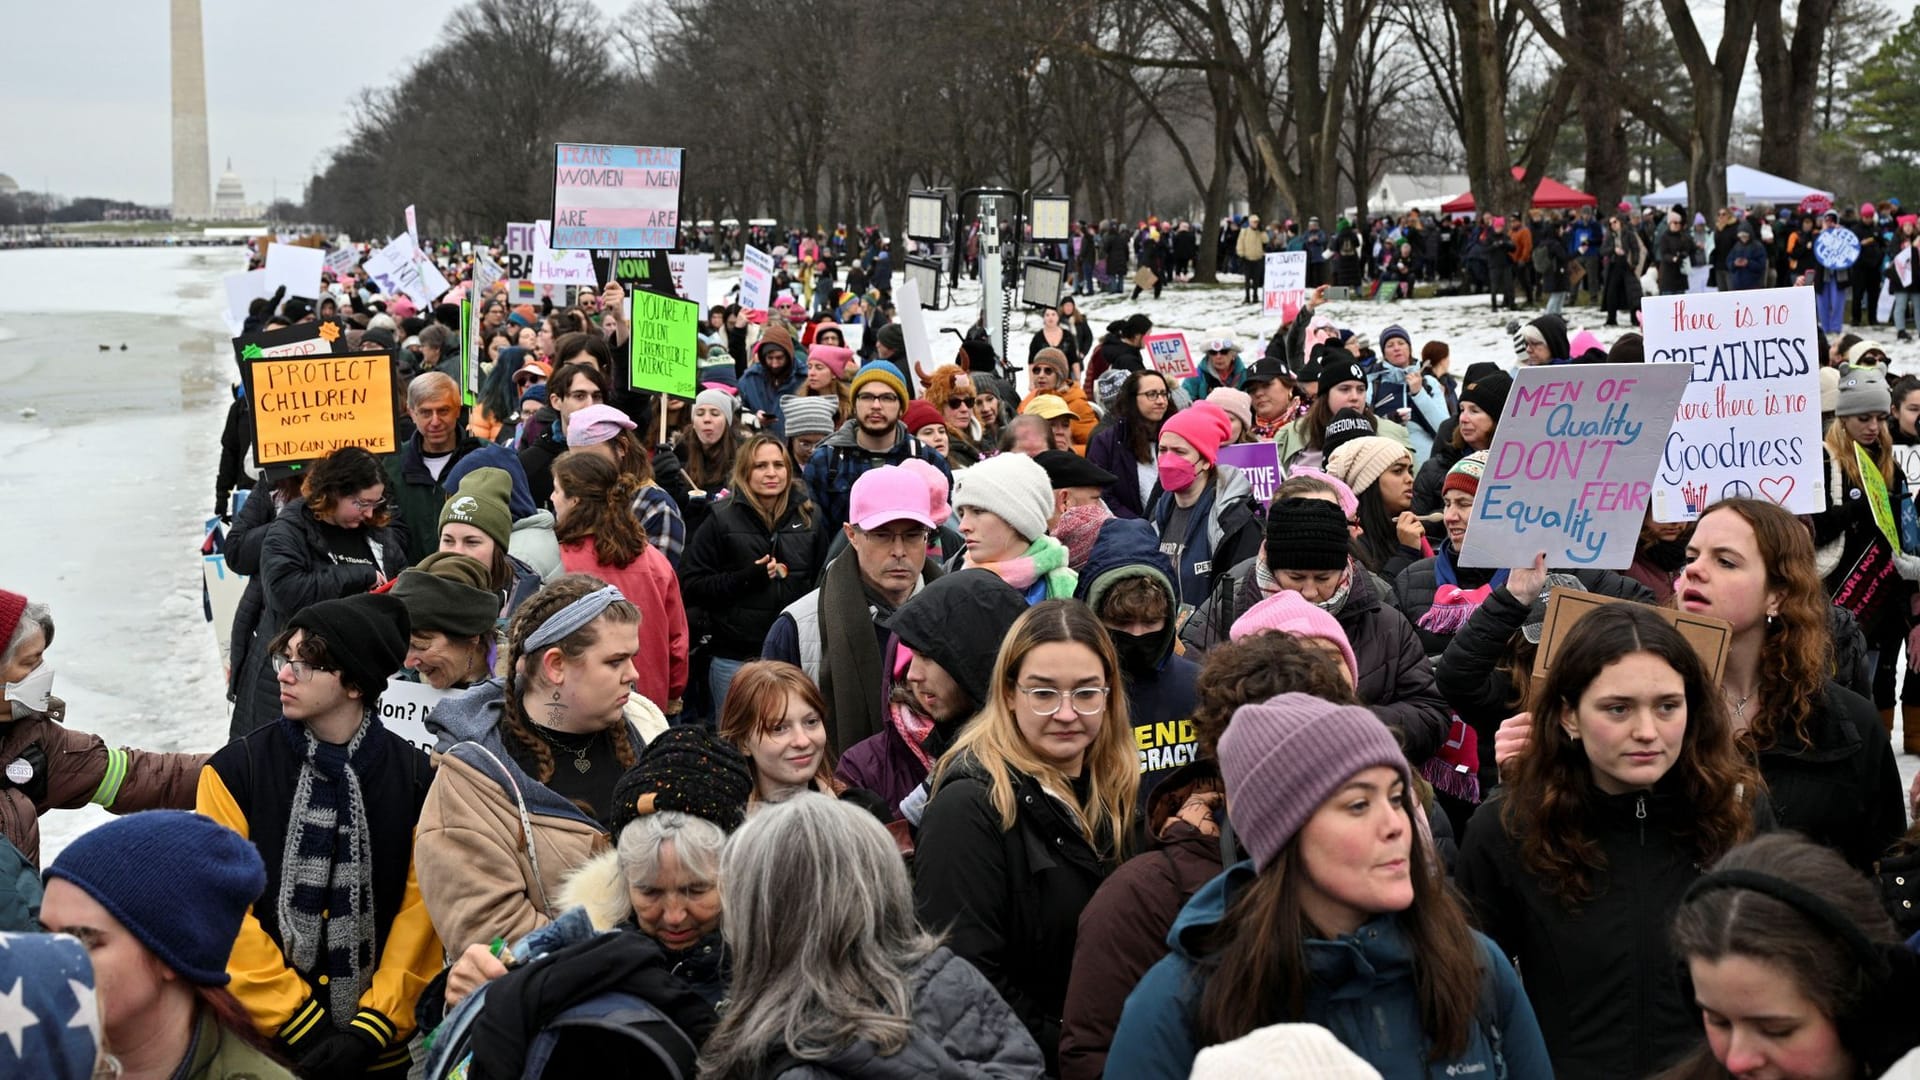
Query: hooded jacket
[1223,529]
[1600,974]
[960,1028]
[298,571]
[1009,899]
[1553,329]
[840,459]
[1396,680]
[1160,685]
[471,850]
[1113,352]
[1362,990]
[1084,418]
[600,886]
[1130,915]
[759,392]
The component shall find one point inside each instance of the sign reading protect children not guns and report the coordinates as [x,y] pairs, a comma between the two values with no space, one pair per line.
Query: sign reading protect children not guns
[305,407]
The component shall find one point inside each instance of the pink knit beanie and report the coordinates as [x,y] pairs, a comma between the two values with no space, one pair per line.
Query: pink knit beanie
[1282,758]
[1289,613]
[1203,424]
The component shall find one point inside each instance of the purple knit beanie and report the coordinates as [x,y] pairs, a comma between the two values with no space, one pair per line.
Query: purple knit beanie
[1282,758]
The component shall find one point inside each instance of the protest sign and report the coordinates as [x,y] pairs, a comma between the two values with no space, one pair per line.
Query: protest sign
[756,279]
[1903,267]
[1750,421]
[404,707]
[413,226]
[618,197]
[521,237]
[646,271]
[690,277]
[1284,288]
[468,372]
[913,326]
[521,291]
[1571,467]
[1711,638]
[1836,247]
[343,260]
[304,339]
[551,267]
[242,290]
[224,588]
[431,278]
[396,273]
[486,274]
[1260,462]
[664,354]
[1169,355]
[295,268]
[305,407]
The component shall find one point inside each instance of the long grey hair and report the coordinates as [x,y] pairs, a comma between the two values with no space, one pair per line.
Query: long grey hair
[844,972]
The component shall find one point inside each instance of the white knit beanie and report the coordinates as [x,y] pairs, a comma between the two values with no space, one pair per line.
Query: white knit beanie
[1282,1050]
[1360,462]
[1011,485]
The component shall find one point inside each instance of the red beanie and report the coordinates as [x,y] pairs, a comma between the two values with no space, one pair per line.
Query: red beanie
[12,606]
[920,415]
[1203,424]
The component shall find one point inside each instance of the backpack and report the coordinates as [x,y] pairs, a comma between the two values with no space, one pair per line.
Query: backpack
[589,1038]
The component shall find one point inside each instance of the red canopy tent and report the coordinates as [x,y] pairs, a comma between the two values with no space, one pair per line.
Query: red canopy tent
[1550,195]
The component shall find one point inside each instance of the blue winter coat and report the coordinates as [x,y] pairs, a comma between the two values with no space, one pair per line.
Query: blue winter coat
[1362,990]
[759,393]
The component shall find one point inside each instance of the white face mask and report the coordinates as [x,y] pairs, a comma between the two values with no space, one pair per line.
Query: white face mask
[35,690]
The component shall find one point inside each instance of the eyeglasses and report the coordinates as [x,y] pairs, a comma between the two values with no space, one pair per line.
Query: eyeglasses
[366,507]
[907,538]
[1045,700]
[1154,395]
[877,399]
[302,671]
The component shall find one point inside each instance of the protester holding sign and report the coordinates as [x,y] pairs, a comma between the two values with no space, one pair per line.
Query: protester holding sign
[1631,783]
[1127,443]
[1864,536]
[1826,760]
[332,542]
[337,949]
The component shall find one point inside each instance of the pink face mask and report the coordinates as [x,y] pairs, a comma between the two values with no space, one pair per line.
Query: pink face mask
[1176,472]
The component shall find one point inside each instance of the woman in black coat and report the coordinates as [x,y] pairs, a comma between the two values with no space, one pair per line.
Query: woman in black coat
[759,550]
[332,542]
[1632,781]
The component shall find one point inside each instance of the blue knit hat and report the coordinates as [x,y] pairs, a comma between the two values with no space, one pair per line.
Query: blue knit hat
[180,882]
[1395,331]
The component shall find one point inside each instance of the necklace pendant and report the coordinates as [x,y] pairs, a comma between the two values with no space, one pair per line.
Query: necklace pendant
[582,764]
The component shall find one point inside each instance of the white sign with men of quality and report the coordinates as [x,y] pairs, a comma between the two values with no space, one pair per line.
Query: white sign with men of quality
[1570,471]
[1749,424]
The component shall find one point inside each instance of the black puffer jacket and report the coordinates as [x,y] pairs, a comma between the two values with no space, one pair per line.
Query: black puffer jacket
[1841,787]
[1600,975]
[246,540]
[1009,900]
[718,574]
[1396,681]
[1413,593]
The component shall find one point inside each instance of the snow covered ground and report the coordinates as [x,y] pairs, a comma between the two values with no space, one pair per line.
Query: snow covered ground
[108,486]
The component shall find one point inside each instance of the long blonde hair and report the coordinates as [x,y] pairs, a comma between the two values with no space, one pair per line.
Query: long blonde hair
[993,738]
[1840,444]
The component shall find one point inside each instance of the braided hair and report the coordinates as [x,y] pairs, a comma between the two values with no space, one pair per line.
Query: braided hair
[515,727]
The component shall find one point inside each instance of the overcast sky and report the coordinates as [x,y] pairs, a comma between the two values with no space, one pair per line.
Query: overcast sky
[86,99]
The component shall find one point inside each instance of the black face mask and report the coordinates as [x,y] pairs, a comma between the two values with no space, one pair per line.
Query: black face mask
[1139,653]
[1668,555]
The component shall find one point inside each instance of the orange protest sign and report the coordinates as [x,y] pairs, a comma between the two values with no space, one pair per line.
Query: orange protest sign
[305,407]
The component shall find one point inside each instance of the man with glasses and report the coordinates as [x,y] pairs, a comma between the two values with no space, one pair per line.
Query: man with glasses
[873,437]
[414,490]
[572,387]
[334,953]
[837,633]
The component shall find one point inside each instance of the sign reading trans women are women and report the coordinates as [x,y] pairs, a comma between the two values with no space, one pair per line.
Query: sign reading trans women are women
[619,197]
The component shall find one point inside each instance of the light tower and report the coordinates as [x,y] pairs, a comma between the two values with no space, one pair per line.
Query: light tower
[190,181]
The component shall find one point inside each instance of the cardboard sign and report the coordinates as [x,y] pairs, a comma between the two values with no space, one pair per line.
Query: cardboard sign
[1571,468]
[1903,267]
[1169,355]
[225,588]
[1749,424]
[1836,247]
[306,339]
[343,260]
[297,269]
[395,272]
[664,353]
[306,407]
[404,707]
[551,267]
[913,325]
[618,197]
[690,277]
[242,290]
[486,274]
[1260,462]
[413,226]
[521,237]
[467,374]
[1284,287]
[756,279]
[1710,637]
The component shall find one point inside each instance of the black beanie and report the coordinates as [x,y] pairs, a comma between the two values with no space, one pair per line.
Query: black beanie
[1307,534]
[958,621]
[893,337]
[1488,392]
[1346,426]
[688,769]
[366,635]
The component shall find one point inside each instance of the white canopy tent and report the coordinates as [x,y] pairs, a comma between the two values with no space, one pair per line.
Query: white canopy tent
[1745,186]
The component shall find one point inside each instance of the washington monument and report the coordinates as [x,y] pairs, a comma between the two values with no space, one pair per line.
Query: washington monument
[191,185]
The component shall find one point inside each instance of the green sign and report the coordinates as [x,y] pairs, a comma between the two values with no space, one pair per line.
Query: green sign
[665,350]
[467,371]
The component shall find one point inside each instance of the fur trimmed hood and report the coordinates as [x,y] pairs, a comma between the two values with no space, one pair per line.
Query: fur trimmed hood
[600,887]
